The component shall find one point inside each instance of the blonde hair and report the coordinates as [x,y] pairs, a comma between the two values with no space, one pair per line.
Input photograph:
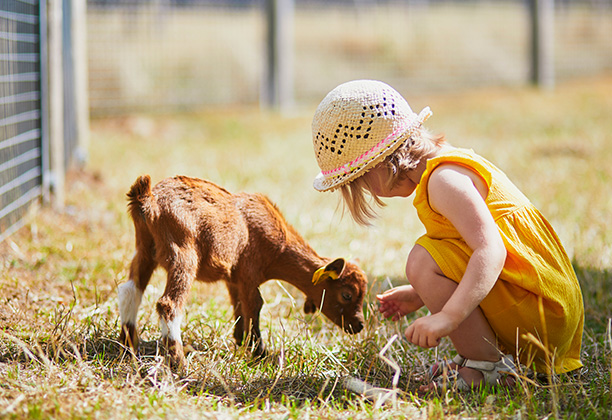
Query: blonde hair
[405,158]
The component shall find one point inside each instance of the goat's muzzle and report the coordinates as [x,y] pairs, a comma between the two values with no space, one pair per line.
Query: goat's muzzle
[354,327]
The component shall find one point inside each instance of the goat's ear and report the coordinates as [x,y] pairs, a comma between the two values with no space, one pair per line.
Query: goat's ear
[336,266]
[309,307]
[332,271]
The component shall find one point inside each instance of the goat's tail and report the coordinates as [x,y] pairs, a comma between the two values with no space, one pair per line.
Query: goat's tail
[141,203]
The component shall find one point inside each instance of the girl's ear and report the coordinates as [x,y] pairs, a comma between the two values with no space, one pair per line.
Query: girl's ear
[309,307]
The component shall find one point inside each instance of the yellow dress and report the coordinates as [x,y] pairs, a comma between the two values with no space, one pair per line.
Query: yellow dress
[537,291]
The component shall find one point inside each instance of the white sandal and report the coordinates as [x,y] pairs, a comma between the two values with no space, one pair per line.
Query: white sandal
[442,367]
[492,372]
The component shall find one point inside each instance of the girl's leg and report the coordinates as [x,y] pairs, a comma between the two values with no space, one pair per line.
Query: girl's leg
[474,338]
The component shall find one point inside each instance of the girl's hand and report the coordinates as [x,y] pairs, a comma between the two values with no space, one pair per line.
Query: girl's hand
[428,331]
[398,302]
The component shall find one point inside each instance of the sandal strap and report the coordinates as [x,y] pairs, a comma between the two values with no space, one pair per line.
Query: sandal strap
[451,379]
[480,365]
[491,371]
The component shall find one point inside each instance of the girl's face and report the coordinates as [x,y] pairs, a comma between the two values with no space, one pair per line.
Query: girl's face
[377,178]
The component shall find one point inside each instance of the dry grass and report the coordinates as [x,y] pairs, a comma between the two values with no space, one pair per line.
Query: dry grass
[58,308]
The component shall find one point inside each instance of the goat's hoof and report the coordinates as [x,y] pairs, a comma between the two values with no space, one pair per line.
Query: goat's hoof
[259,351]
[177,364]
[129,338]
[175,356]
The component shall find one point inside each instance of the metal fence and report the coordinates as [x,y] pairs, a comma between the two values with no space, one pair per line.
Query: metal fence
[21,147]
[37,141]
[164,55]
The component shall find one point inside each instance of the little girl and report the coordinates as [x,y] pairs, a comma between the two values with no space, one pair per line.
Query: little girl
[489,268]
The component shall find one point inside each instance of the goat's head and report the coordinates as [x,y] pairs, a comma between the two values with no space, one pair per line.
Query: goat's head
[341,298]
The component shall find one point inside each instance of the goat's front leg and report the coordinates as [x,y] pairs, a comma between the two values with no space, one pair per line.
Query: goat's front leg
[250,304]
[239,327]
[247,303]
[170,305]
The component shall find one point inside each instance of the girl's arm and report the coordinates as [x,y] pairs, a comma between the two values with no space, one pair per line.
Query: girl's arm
[459,194]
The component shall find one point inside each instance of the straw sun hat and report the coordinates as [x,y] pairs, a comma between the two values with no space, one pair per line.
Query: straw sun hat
[356,126]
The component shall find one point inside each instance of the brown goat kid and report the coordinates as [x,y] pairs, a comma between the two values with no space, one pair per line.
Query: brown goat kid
[195,229]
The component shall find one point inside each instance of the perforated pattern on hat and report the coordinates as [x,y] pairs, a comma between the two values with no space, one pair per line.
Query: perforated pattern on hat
[356,126]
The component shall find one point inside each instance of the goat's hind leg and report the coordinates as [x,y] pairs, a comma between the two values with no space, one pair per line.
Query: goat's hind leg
[130,295]
[170,305]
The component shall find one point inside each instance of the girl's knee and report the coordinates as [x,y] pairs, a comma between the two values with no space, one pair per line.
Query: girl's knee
[420,266]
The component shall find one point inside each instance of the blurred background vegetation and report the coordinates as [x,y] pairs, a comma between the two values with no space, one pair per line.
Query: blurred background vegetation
[169,54]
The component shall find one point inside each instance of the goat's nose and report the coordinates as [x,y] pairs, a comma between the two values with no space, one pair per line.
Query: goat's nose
[356,327]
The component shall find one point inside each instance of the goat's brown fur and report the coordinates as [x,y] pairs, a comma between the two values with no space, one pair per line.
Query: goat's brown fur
[195,229]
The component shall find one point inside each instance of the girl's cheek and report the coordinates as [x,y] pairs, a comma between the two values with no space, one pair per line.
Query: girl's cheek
[376,189]
[375,181]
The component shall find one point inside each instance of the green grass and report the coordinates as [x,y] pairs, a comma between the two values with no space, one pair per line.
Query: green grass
[59,357]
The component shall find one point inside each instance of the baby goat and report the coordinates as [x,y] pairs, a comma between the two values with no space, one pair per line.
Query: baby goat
[195,229]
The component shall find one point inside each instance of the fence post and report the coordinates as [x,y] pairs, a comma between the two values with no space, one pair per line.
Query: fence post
[56,102]
[79,54]
[44,101]
[278,83]
[542,16]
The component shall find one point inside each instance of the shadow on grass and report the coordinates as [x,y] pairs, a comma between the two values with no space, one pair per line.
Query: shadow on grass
[298,389]
[597,294]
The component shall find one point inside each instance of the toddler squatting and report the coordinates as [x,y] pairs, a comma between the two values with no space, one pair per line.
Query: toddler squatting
[490,268]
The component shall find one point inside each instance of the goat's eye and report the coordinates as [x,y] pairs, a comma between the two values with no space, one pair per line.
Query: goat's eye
[347,296]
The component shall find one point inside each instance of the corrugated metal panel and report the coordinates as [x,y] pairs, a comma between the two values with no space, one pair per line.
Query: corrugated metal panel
[20,112]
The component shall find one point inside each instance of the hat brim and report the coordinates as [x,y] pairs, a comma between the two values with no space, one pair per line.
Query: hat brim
[329,184]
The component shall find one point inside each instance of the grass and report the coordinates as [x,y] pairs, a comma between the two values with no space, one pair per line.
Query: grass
[59,357]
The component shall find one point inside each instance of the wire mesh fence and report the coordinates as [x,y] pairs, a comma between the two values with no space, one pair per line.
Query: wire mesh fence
[20,112]
[165,55]
[34,152]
